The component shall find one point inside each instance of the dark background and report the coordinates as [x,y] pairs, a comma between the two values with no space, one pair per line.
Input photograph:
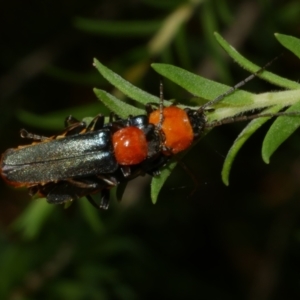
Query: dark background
[236,242]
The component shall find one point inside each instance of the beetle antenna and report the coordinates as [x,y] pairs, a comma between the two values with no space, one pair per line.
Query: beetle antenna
[161,103]
[27,135]
[192,176]
[247,118]
[238,85]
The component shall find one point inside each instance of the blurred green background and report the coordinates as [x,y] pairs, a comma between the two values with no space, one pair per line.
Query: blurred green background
[236,242]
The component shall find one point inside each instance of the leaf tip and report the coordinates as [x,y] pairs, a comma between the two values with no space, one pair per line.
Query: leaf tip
[95,61]
[153,65]
[277,35]
[153,197]
[225,180]
[266,159]
[265,152]
[225,176]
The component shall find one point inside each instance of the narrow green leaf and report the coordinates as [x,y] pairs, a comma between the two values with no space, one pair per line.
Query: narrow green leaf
[114,104]
[55,120]
[234,104]
[158,181]
[124,86]
[289,42]
[200,86]
[88,78]
[259,101]
[118,28]
[280,130]
[248,65]
[240,141]
[33,218]
[164,5]
[170,27]
[91,216]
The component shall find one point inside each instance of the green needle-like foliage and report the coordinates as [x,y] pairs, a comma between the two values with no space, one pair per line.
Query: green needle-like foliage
[235,104]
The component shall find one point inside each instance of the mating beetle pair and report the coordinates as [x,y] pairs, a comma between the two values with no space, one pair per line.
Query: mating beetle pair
[79,162]
[86,159]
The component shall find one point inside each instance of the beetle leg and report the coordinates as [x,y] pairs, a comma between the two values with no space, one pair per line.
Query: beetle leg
[126,171]
[113,117]
[74,128]
[96,124]
[83,185]
[92,201]
[70,120]
[58,197]
[73,124]
[112,181]
[55,193]
[153,167]
[60,192]
[149,107]
[33,190]
[104,201]
[27,135]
